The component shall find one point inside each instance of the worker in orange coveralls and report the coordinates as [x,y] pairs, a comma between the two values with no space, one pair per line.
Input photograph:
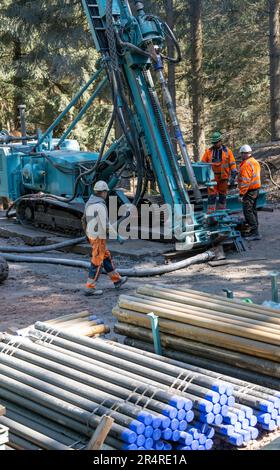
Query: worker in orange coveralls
[225,171]
[249,183]
[97,228]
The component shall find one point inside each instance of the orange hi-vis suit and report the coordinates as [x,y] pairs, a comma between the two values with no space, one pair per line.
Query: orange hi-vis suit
[223,165]
[249,177]
[97,218]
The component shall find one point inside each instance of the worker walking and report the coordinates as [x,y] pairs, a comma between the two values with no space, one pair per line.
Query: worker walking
[225,171]
[249,183]
[97,229]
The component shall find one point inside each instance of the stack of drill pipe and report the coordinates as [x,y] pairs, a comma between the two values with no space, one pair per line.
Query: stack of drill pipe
[72,391]
[255,405]
[197,437]
[221,328]
[82,323]
[210,407]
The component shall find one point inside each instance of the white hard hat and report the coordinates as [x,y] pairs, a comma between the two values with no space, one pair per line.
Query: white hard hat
[245,149]
[101,186]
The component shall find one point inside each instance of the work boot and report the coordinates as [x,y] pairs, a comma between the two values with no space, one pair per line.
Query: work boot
[120,283]
[252,237]
[93,292]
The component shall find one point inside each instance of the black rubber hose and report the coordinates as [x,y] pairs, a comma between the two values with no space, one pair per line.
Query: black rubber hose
[42,249]
[131,272]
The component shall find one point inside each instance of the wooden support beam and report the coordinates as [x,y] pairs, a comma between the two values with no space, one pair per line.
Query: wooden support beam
[98,438]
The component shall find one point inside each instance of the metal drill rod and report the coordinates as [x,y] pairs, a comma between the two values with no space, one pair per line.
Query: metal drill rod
[150,377]
[71,397]
[67,408]
[133,355]
[81,371]
[133,362]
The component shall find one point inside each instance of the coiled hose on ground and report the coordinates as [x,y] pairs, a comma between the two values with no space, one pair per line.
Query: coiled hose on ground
[42,249]
[130,272]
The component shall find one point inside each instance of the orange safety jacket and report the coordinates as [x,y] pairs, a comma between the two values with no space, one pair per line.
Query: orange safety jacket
[249,177]
[225,167]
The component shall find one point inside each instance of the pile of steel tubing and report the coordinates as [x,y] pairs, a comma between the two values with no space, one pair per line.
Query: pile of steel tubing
[60,378]
[212,397]
[228,331]
[255,408]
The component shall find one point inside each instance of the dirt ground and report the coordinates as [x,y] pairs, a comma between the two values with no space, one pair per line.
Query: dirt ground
[41,292]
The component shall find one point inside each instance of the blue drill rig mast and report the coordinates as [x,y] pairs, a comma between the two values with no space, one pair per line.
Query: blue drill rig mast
[49,179]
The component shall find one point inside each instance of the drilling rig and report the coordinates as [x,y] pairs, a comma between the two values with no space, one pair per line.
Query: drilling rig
[49,180]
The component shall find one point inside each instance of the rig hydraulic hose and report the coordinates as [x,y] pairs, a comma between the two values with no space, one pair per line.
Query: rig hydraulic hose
[130,272]
[42,249]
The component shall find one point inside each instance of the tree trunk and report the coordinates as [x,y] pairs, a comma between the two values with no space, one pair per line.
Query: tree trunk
[171,51]
[274,42]
[18,81]
[197,78]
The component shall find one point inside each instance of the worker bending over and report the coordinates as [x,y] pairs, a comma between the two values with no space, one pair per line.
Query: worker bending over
[225,171]
[97,229]
[249,183]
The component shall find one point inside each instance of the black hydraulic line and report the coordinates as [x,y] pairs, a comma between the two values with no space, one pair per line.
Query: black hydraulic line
[130,272]
[42,249]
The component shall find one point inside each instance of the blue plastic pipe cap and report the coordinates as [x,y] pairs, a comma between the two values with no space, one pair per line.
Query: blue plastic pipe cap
[177,402]
[224,410]
[129,436]
[148,431]
[186,438]
[275,401]
[194,445]
[189,416]
[175,436]
[226,429]
[194,432]
[159,422]
[253,420]
[274,414]
[217,409]
[202,439]
[231,418]
[156,435]
[266,406]
[236,439]
[146,418]
[214,397]
[248,411]
[170,411]
[218,420]
[159,445]
[229,390]
[219,387]
[263,418]
[278,421]
[181,414]
[245,423]
[246,435]
[254,433]
[230,401]
[201,447]
[167,446]
[210,432]
[140,440]
[208,418]
[174,424]
[141,448]
[165,422]
[188,404]
[205,406]
[137,427]
[271,426]
[130,447]
[149,443]
[238,426]
[241,415]
[182,425]
[166,434]
[208,444]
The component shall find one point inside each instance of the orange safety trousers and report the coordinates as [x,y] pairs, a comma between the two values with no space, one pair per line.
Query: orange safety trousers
[221,190]
[100,257]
